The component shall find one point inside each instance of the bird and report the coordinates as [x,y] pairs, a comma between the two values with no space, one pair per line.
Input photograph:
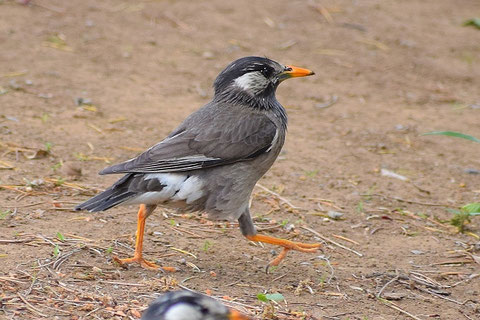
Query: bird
[187,305]
[213,159]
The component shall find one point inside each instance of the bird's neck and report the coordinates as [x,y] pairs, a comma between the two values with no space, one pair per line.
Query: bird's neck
[267,103]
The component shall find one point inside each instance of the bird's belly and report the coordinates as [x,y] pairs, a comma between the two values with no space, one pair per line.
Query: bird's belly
[168,187]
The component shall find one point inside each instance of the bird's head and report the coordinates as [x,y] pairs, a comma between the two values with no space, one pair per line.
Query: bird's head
[254,80]
[185,305]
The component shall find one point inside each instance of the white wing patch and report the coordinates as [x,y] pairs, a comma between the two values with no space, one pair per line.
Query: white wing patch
[274,141]
[190,190]
[178,187]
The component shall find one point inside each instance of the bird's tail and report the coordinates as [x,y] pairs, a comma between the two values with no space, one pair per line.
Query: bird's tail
[111,197]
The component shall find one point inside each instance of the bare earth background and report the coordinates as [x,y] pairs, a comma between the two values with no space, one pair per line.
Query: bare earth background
[398,68]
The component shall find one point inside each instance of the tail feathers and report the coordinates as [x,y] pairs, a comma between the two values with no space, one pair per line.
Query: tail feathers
[111,197]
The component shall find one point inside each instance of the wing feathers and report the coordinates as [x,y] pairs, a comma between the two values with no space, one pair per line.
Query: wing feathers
[209,138]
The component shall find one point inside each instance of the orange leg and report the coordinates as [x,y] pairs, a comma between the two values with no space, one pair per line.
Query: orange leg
[137,256]
[286,244]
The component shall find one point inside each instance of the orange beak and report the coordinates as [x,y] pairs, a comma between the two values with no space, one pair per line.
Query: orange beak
[292,72]
[235,315]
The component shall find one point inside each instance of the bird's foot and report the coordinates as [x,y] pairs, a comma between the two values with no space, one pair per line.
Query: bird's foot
[287,246]
[143,263]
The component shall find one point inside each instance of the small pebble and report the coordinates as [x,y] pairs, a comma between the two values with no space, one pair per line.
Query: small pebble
[79,101]
[472,171]
[208,55]
[401,127]
[14,85]
[417,252]
[477,246]
[393,295]
[37,182]
[45,95]
[11,118]
[355,26]
[407,43]
[334,214]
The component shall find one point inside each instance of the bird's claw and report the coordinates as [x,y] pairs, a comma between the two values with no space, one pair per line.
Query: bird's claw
[290,245]
[143,263]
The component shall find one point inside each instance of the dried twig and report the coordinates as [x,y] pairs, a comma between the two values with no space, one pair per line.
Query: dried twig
[379,294]
[277,196]
[332,242]
[394,306]
[31,307]
[408,201]
[332,271]
[345,238]
[11,280]
[16,240]
[117,283]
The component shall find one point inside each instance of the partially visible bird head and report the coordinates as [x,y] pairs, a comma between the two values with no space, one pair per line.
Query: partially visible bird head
[254,80]
[185,305]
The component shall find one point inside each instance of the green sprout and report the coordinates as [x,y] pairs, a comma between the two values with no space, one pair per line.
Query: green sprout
[462,217]
[60,237]
[48,146]
[56,251]
[206,246]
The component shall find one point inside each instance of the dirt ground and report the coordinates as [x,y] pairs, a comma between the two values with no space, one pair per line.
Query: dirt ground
[88,83]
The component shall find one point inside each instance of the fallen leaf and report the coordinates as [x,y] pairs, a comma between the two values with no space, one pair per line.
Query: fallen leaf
[39,154]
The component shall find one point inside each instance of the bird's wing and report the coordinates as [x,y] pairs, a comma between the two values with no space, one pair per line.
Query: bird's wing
[203,141]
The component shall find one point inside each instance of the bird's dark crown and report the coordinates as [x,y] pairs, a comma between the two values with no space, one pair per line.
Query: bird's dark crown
[250,81]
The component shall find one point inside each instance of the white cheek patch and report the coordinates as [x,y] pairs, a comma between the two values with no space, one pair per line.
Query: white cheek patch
[182,311]
[252,82]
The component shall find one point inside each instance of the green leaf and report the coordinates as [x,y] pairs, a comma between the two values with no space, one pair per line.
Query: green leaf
[472,208]
[262,297]
[275,297]
[60,236]
[452,134]
[270,297]
[56,250]
[473,22]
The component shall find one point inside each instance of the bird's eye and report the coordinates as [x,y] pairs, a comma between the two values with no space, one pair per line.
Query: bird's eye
[266,73]
[288,69]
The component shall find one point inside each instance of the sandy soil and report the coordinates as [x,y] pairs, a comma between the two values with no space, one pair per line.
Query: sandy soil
[398,68]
